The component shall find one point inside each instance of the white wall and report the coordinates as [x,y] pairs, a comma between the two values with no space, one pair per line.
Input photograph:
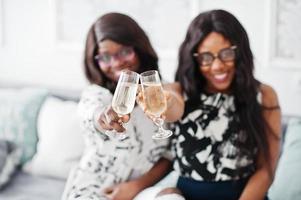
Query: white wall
[41,41]
[29,53]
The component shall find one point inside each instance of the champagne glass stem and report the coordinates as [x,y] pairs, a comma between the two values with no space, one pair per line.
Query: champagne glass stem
[161,133]
[159,122]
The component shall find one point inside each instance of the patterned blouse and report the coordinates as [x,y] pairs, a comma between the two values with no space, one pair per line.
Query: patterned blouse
[108,160]
[205,141]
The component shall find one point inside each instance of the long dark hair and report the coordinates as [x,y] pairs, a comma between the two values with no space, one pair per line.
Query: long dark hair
[244,86]
[123,30]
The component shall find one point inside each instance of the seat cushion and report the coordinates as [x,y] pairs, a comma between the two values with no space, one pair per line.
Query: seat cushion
[60,144]
[25,186]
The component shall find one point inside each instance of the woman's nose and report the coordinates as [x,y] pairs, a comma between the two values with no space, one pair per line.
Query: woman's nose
[217,65]
[116,63]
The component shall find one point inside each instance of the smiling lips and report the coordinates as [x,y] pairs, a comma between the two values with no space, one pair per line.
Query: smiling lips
[220,77]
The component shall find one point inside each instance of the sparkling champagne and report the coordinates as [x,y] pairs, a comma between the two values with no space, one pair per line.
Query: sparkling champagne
[124,98]
[154,98]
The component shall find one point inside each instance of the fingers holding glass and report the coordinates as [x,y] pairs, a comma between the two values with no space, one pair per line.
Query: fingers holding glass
[109,120]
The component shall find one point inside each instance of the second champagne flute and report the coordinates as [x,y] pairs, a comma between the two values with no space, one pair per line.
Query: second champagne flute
[155,101]
[125,94]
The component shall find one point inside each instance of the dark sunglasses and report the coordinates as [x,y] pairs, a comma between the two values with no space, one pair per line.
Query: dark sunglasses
[207,58]
[125,53]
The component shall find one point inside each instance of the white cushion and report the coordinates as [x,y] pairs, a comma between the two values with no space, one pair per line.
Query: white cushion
[60,144]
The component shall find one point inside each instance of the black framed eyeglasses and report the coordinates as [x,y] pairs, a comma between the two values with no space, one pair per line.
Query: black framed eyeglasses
[124,54]
[225,55]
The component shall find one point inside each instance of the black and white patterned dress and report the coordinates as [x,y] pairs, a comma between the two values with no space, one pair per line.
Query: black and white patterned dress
[106,160]
[205,141]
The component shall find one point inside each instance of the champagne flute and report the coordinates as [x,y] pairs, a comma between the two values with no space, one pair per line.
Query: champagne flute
[155,101]
[125,95]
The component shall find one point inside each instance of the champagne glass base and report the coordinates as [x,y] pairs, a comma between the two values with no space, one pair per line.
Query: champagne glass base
[162,135]
[117,135]
[121,136]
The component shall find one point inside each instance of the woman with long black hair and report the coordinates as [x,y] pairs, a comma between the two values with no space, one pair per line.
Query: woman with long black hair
[226,145]
[113,167]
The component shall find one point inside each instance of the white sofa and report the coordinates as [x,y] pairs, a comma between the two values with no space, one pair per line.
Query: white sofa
[58,146]
[50,141]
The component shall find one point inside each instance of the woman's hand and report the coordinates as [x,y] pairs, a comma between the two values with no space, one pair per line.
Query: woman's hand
[128,190]
[109,120]
[123,191]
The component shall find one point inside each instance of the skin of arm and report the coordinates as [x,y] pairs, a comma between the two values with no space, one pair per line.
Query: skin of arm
[128,190]
[261,180]
[175,102]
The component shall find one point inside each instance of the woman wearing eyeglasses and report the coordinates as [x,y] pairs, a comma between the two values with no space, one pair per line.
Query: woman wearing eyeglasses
[111,167]
[226,145]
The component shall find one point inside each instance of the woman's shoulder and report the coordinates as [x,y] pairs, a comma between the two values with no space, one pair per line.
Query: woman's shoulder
[269,96]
